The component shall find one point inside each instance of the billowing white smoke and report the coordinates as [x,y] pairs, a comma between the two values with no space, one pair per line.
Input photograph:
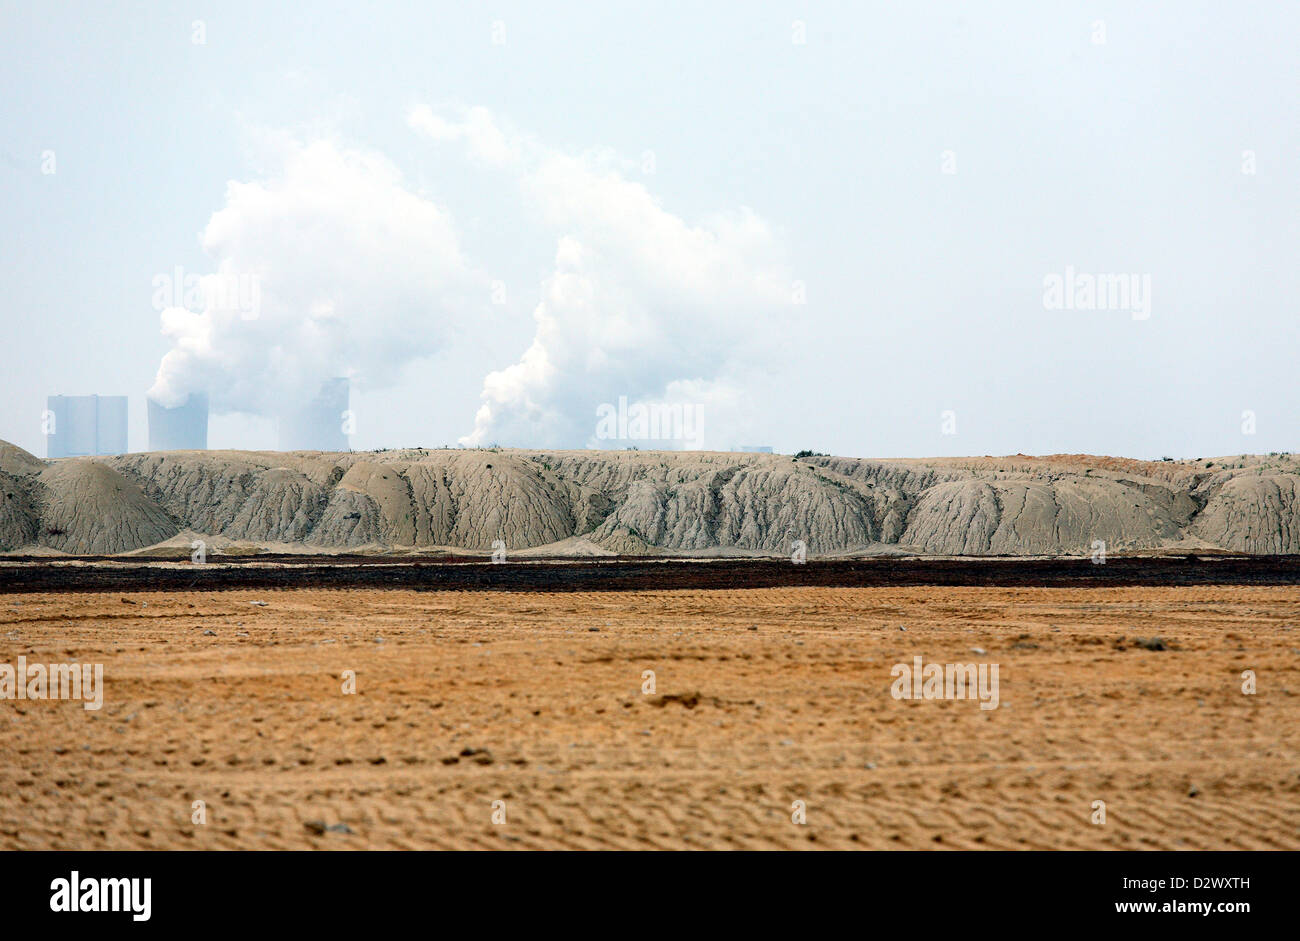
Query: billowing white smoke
[328,267]
[331,266]
[642,307]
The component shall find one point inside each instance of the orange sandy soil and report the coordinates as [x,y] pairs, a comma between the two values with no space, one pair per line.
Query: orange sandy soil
[253,720]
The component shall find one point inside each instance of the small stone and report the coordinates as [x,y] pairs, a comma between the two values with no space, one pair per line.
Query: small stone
[979,650]
[209,633]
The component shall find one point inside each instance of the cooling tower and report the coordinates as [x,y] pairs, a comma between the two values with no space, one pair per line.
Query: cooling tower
[318,425]
[80,425]
[183,428]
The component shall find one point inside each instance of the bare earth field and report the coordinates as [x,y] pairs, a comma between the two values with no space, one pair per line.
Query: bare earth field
[764,697]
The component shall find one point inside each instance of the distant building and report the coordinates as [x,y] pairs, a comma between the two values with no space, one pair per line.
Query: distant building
[183,428]
[80,425]
[757,448]
[319,424]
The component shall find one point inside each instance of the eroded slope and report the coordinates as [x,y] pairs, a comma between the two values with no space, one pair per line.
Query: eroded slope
[635,502]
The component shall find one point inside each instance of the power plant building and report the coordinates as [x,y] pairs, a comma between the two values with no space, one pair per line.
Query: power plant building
[81,425]
[321,424]
[183,428]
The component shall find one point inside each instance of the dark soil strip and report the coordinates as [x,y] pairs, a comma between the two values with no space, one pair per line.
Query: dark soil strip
[642,575]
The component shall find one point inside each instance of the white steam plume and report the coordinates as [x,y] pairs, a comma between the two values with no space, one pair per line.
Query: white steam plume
[641,304]
[330,266]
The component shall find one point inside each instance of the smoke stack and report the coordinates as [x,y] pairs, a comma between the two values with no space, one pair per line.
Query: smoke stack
[80,425]
[183,428]
[318,425]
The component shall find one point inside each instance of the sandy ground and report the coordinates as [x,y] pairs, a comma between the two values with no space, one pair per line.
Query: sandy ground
[763,698]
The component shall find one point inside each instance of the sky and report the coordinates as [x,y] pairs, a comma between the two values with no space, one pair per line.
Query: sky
[878,230]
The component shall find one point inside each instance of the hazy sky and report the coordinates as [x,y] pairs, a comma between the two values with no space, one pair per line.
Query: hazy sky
[825,225]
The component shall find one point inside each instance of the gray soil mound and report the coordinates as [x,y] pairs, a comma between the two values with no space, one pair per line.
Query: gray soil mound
[18,519]
[1046,517]
[87,508]
[644,503]
[1254,513]
[17,462]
